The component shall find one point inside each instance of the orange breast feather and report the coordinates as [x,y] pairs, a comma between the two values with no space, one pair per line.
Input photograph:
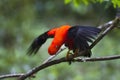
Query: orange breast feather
[59,39]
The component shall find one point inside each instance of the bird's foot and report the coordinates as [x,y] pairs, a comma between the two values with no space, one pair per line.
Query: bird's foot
[69,57]
[76,53]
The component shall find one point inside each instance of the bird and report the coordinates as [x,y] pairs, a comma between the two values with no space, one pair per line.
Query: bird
[76,38]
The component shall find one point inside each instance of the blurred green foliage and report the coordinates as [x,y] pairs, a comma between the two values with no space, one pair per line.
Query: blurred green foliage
[115,3]
[23,20]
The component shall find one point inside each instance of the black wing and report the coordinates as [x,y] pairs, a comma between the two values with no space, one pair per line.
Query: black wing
[37,43]
[81,35]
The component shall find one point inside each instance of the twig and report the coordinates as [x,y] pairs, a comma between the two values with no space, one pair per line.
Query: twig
[51,57]
[99,58]
[105,26]
[112,26]
[10,76]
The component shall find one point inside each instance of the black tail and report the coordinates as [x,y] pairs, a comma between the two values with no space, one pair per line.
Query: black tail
[37,43]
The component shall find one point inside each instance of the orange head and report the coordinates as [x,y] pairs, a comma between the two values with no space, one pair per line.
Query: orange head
[59,39]
[53,49]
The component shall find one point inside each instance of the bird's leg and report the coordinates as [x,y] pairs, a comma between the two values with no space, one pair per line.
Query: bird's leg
[68,53]
[69,57]
[76,52]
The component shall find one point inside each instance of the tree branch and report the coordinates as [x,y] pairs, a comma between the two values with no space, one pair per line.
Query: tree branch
[106,28]
[10,76]
[58,61]
[114,24]
[50,63]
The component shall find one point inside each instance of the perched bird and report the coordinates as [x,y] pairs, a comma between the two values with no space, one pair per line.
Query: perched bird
[75,38]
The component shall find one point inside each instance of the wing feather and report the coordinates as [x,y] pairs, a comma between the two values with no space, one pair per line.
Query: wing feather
[38,42]
[82,35]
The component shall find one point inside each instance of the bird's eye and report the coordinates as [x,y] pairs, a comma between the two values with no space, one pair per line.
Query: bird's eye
[56,46]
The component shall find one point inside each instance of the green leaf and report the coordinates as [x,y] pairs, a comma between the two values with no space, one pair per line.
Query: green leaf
[86,2]
[116,3]
[67,1]
[100,1]
[76,3]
